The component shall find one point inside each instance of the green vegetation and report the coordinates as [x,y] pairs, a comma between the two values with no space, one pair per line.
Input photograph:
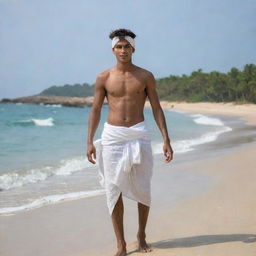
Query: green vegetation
[238,86]
[76,90]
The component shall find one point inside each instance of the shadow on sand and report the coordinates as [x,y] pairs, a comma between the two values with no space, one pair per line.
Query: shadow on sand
[194,241]
[204,240]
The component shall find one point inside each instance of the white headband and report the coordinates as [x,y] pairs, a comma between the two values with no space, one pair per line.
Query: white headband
[128,38]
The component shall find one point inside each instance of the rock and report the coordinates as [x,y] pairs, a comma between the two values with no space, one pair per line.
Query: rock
[5,100]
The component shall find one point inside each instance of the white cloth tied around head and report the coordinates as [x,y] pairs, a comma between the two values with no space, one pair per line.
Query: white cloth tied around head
[128,38]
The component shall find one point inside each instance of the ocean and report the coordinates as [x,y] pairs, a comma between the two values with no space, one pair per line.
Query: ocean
[43,151]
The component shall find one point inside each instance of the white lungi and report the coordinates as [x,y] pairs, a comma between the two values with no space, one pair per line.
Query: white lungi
[124,155]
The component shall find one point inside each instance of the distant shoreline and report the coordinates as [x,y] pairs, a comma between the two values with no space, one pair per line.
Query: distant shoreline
[245,111]
[52,100]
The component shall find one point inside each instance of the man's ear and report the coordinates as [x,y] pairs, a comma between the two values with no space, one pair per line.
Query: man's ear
[133,50]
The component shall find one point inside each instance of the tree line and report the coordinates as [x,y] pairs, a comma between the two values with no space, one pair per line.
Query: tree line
[76,90]
[235,85]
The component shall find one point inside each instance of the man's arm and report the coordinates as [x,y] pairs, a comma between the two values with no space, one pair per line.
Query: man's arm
[94,119]
[158,115]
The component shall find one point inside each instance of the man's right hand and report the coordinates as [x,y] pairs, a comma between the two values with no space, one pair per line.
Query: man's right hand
[91,151]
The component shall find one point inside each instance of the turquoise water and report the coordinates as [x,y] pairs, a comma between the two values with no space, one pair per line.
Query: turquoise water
[43,150]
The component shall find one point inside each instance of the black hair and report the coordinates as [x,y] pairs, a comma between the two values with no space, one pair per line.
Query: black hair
[122,32]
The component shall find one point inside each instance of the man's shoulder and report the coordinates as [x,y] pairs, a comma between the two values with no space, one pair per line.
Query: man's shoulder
[145,72]
[103,76]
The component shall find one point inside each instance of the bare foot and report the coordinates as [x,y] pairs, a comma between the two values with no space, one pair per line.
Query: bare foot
[121,253]
[142,244]
[121,249]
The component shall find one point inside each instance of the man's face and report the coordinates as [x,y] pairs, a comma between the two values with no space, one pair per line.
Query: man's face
[123,51]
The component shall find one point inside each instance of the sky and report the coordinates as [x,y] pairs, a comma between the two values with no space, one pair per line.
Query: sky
[58,42]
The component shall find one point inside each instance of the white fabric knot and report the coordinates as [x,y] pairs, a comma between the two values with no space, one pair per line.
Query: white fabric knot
[131,155]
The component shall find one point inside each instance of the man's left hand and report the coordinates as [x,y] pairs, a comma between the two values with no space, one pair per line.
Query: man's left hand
[168,152]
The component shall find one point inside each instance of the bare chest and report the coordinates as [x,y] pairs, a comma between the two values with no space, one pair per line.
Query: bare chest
[125,85]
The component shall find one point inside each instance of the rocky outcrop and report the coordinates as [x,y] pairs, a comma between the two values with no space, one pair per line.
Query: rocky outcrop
[52,100]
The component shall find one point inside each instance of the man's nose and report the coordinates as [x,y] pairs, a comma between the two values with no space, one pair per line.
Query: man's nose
[123,49]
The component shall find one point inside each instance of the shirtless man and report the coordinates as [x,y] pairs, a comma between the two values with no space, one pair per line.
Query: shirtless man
[126,87]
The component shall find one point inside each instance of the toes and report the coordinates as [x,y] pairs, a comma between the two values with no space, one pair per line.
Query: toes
[149,249]
[146,249]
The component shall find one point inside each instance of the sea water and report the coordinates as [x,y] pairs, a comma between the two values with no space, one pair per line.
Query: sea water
[43,150]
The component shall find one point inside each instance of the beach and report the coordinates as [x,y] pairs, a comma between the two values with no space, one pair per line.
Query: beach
[244,111]
[210,210]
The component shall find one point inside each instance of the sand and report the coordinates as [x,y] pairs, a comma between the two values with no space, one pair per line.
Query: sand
[244,111]
[221,221]
[215,213]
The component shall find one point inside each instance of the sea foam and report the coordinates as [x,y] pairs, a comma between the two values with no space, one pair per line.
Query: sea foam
[53,105]
[65,167]
[43,122]
[38,122]
[52,199]
[182,146]
[202,119]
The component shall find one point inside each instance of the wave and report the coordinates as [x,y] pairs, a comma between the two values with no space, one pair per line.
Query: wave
[183,146]
[206,120]
[38,122]
[53,105]
[65,167]
[52,199]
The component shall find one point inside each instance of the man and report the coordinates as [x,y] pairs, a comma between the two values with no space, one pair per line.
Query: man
[125,155]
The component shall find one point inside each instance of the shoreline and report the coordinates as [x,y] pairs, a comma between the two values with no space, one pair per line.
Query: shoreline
[193,152]
[187,227]
[184,227]
[244,111]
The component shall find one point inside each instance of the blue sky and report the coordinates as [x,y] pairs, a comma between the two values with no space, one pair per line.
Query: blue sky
[55,42]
